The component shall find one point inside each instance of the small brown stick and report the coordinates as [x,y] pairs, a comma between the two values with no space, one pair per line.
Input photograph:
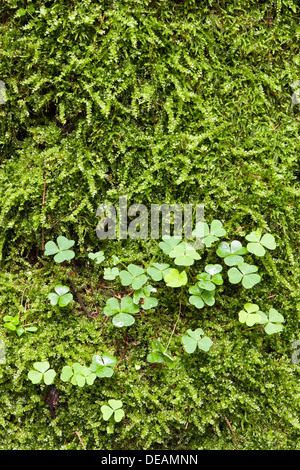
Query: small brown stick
[80,299]
[81,442]
[241,228]
[44,193]
[124,352]
[117,296]
[232,432]
[129,293]
[43,203]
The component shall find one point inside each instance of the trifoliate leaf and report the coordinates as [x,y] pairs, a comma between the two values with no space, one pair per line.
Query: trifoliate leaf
[158,270]
[194,339]
[246,273]
[250,315]
[174,278]
[60,250]
[184,254]
[258,243]
[134,275]
[110,274]
[231,253]
[98,257]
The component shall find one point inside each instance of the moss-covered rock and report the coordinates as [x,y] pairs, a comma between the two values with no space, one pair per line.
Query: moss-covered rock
[174,101]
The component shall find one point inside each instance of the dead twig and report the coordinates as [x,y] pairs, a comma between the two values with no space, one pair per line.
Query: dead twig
[43,203]
[241,228]
[232,432]
[80,440]
[124,352]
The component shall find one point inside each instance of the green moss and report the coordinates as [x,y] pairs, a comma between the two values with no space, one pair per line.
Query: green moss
[162,102]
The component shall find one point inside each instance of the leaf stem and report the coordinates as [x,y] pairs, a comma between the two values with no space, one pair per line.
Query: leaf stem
[172,333]
[79,298]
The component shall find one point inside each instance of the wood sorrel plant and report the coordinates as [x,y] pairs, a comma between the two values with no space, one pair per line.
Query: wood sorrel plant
[195,283]
[179,252]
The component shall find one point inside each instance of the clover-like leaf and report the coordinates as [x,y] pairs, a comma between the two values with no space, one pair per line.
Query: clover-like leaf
[149,302]
[21,12]
[123,319]
[61,249]
[273,322]
[114,408]
[98,257]
[66,373]
[112,307]
[11,322]
[128,306]
[159,355]
[184,254]
[174,278]
[158,270]
[169,243]
[34,376]
[41,366]
[134,276]
[194,339]
[51,248]
[231,252]
[213,233]
[49,376]
[121,311]
[107,412]
[209,234]
[78,375]
[205,282]
[142,293]
[246,273]
[119,415]
[110,274]
[209,282]
[115,404]
[259,242]
[143,296]
[213,269]
[201,297]
[61,296]
[250,314]
[41,371]
[103,365]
